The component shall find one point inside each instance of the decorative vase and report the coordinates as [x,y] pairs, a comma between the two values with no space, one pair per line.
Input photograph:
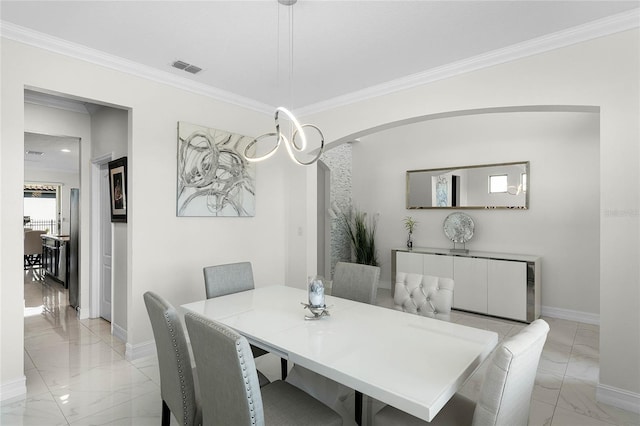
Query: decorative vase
[409,242]
[316,292]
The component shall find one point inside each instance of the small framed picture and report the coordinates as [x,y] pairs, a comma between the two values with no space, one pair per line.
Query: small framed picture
[118,189]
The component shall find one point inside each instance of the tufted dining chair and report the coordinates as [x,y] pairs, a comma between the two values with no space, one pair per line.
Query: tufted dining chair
[232,395]
[357,282]
[424,295]
[230,278]
[178,388]
[505,397]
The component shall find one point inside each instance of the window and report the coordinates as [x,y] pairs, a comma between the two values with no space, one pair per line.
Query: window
[497,184]
[523,182]
[41,206]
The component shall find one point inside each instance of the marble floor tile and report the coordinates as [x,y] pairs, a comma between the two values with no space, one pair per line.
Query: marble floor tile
[144,410]
[583,367]
[547,387]
[32,411]
[77,374]
[555,357]
[35,384]
[149,367]
[564,417]
[540,413]
[579,396]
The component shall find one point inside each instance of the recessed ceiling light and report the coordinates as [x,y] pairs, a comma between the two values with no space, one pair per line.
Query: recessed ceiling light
[65,150]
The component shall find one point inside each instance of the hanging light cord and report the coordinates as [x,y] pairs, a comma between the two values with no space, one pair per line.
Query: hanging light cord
[297,128]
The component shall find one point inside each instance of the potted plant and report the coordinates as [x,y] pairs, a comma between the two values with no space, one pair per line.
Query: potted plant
[410,224]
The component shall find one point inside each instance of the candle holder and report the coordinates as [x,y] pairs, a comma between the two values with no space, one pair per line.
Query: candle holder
[316,298]
[317,311]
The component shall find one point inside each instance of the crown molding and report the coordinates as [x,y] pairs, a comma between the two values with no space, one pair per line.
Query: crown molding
[37,98]
[595,29]
[600,28]
[63,47]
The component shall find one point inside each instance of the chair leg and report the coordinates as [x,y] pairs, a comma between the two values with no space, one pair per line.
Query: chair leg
[283,368]
[166,414]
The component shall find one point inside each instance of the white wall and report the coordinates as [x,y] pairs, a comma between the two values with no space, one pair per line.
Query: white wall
[562,225]
[602,72]
[110,136]
[165,253]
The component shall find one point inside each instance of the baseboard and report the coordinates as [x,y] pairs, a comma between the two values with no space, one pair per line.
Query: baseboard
[568,314]
[13,389]
[620,398]
[141,350]
[82,313]
[118,332]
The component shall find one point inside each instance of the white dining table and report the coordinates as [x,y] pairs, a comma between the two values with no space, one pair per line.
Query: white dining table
[411,362]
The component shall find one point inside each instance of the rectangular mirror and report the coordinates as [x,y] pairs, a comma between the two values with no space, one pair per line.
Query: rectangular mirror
[487,186]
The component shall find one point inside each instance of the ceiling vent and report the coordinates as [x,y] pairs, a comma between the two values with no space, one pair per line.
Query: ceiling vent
[181,65]
[38,153]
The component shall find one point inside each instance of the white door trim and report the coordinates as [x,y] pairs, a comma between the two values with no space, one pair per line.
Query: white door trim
[94,288]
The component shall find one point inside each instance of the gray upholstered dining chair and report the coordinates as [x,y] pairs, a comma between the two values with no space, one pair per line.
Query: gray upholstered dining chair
[230,278]
[424,295]
[220,280]
[232,395]
[351,281]
[505,396]
[357,282]
[178,388]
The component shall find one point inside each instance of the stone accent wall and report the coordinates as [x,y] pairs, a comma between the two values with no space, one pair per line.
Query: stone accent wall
[338,160]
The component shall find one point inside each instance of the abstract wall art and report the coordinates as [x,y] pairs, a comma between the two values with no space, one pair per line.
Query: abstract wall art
[214,178]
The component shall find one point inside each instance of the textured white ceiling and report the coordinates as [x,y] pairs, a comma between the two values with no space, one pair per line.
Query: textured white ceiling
[339,47]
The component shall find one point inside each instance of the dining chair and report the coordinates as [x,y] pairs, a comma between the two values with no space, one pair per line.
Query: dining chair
[32,248]
[178,387]
[351,281]
[505,397]
[424,295]
[230,278]
[232,395]
[357,282]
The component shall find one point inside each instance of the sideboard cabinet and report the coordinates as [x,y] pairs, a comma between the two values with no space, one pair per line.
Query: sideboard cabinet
[497,284]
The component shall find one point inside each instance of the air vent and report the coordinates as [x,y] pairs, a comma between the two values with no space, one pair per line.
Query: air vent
[181,65]
[35,153]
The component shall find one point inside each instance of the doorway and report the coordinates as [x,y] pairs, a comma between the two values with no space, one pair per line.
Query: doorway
[101,304]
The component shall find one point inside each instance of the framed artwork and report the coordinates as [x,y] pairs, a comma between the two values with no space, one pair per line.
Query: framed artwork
[118,189]
[214,178]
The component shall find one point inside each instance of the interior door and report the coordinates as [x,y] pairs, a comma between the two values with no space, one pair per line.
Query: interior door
[105,244]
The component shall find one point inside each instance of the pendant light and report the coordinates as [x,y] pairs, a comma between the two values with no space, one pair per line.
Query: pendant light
[297,142]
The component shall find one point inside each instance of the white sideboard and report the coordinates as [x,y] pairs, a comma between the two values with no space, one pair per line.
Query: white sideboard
[497,284]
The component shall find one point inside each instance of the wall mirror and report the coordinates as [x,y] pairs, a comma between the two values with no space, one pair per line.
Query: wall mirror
[487,186]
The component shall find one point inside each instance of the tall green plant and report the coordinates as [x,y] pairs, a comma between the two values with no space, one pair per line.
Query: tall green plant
[362,233]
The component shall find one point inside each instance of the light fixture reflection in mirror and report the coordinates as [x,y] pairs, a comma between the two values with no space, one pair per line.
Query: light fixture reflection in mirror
[469,187]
